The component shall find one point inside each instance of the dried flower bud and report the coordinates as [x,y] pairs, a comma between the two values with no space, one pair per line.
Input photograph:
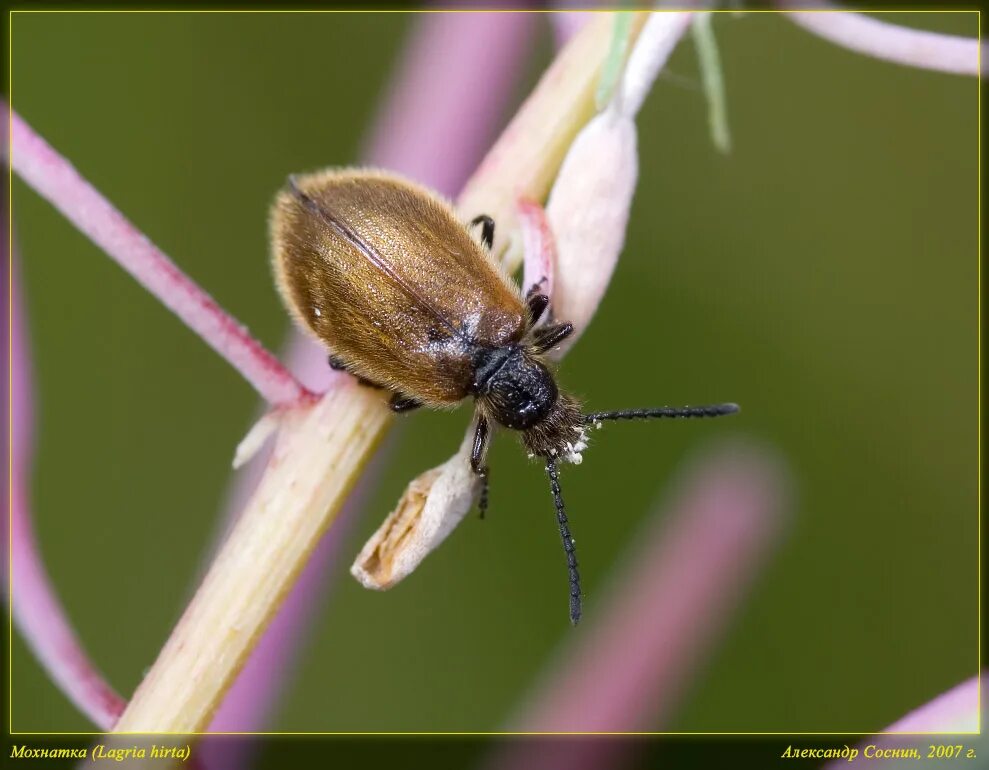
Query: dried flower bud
[431,506]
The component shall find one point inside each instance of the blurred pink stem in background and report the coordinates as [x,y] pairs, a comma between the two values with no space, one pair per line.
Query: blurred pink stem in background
[439,116]
[566,24]
[37,612]
[688,571]
[663,611]
[891,42]
[58,182]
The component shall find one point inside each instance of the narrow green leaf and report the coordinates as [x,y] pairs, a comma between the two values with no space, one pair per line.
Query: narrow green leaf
[615,61]
[712,80]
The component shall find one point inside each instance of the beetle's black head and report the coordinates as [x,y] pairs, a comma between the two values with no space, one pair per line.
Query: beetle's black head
[517,390]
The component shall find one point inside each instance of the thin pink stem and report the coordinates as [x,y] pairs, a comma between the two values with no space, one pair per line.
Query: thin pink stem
[433,125]
[665,609]
[56,180]
[43,622]
[882,40]
[40,617]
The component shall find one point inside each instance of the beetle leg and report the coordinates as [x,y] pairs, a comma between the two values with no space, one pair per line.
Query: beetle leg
[549,337]
[337,364]
[477,461]
[537,304]
[400,403]
[536,288]
[487,229]
[538,248]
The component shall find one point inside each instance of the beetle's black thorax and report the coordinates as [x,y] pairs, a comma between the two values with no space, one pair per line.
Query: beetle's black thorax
[516,388]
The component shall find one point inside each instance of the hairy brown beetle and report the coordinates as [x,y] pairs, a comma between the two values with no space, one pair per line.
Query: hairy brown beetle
[396,286]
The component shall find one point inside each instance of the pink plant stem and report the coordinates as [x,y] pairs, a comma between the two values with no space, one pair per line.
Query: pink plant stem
[882,40]
[56,180]
[39,615]
[663,612]
[434,125]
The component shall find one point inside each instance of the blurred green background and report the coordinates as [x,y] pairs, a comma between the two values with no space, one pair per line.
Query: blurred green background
[823,275]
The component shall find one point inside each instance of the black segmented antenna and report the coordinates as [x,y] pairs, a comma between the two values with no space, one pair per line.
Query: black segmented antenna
[568,545]
[673,412]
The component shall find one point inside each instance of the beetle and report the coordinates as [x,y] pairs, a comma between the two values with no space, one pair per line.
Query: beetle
[406,297]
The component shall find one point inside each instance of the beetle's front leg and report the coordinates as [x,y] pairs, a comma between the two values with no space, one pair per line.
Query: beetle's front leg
[481,434]
[337,364]
[400,403]
[536,302]
[487,229]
